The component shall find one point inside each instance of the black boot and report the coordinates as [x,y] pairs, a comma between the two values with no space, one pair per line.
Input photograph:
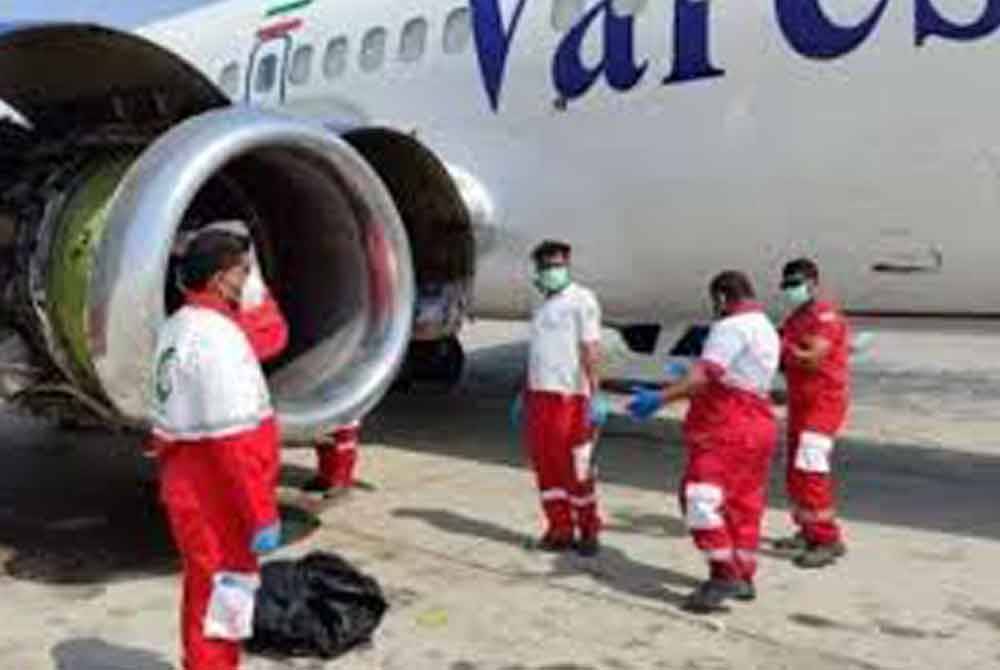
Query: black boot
[795,542]
[820,555]
[588,546]
[710,596]
[553,543]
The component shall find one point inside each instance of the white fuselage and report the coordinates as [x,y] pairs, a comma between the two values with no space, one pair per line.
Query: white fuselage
[886,157]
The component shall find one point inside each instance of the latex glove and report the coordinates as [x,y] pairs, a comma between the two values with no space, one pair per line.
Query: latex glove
[644,403]
[676,370]
[517,411]
[267,539]
[600,408]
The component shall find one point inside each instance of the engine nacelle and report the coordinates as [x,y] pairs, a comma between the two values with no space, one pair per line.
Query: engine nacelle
[329,236]
[105,170]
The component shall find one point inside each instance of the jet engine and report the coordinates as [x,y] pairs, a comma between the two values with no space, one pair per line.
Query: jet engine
[119,147]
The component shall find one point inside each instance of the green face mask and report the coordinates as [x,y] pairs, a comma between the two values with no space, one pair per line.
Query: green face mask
[552,280]
[796,296]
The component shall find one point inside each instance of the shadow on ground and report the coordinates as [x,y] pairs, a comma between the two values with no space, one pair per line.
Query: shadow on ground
[905,485]
[95,654]
[612,567]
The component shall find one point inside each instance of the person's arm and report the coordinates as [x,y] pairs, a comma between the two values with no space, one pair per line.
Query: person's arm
[811,351]
[265,327]
[590,342]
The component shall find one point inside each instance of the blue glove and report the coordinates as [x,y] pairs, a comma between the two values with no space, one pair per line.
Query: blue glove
[600,408]
[675,370]
[267,539]
[644,403]
[517,411]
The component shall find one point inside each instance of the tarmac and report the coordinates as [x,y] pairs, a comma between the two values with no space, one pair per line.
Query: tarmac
[446,512]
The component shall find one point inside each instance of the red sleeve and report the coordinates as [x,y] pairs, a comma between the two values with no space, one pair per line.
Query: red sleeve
[243,463]
[266,329]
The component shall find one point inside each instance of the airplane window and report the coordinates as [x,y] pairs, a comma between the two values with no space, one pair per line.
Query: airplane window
[413,40]
[565,14]
[267,73]
[229,80]
[335,60]
[373,49]
[457,31]
[301,65]
[629,7]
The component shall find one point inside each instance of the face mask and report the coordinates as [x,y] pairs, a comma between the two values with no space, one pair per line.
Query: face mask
[552,280]
[796,296]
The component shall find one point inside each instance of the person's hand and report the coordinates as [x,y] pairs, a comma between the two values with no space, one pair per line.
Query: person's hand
[644,403]
[267,539]
[517,411]
[600,408]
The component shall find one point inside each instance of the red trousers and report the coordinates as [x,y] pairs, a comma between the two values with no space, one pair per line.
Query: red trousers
[810,484]
[724,494]
[338,456]
[217,493]
[559,439]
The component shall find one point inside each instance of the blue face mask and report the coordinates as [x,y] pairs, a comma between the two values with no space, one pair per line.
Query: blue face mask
[552,280]
[796,296]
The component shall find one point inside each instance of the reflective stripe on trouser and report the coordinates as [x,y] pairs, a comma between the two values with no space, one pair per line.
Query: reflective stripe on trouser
[556,431]
[723,496]
[338,456]
[210,538]
[810,484]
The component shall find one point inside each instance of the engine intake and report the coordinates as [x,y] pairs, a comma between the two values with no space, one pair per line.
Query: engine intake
[331,241]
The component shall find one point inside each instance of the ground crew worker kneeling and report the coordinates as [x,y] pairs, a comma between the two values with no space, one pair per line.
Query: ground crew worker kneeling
[561,403]
[729,435]
[212,418]
[815,342]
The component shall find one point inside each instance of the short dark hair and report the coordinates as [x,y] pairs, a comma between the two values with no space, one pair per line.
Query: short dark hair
[210,253]
[732,286]
[550,248]
[801,267]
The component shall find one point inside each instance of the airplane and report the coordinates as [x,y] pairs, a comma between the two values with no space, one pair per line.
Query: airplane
[395,158]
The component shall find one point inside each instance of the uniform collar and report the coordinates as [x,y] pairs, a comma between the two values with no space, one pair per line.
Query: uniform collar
[744,307]
[207,300]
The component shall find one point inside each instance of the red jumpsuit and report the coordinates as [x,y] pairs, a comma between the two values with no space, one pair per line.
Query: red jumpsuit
[338,456]
[557,429]
[217,439]
[730,435]
[817,409]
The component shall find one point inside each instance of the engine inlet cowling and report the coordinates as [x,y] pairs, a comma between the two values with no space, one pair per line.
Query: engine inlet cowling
[331,241]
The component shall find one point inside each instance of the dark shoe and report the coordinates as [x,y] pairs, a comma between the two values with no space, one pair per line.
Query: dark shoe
[710,596]
[316,485]
[588,547]
[795,542]
[820,555]
[554,543]
[745,591]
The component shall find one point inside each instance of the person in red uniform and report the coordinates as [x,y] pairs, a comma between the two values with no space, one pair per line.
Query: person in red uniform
[561,404]
[815,353]
[212,421]
[729,437]
[337,461]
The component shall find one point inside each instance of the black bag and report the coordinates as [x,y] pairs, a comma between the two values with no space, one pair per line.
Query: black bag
[319,606]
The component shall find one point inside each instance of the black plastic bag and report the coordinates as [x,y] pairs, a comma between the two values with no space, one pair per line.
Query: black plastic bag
[319,606]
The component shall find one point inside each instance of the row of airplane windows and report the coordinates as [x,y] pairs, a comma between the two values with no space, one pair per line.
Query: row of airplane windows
[455,39]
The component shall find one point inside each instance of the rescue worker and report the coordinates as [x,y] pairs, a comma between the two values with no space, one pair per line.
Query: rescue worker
[561,404]
[337,461]
[212,420]
[815,352]
[729,438]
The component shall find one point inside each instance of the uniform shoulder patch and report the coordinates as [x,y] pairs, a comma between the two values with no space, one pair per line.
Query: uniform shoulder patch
[164,374]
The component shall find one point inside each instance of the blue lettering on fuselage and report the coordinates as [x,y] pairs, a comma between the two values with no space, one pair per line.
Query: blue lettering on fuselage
[806,28]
